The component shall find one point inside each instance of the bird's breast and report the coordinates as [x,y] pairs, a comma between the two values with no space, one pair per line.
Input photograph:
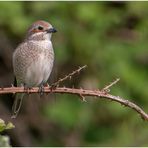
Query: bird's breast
[39,70]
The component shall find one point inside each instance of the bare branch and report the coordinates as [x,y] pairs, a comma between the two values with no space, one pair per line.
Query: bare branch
[82,93]
[103,94]
[69,76]
[106,88]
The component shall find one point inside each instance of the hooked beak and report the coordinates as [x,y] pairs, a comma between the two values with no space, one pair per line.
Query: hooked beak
[51,30]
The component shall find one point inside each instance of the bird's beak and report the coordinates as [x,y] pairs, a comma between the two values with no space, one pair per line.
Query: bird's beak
[51,30]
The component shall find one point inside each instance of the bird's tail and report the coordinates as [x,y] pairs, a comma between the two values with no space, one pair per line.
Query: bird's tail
[17,104]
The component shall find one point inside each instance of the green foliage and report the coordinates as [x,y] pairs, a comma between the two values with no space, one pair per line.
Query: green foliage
[4,140]
[4,126]
[68,113]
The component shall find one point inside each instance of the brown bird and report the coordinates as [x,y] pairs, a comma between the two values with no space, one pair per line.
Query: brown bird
[33,60]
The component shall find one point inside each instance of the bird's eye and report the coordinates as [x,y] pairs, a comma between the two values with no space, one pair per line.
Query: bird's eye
[40,28]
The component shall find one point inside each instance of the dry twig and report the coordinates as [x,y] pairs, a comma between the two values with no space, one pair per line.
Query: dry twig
[106,88]
[69,76]
[80,92]
[103,94]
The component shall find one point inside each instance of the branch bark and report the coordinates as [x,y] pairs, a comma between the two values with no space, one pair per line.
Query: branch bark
[103,94]
[82,93]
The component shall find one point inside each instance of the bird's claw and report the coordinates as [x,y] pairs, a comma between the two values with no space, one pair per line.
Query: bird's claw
[41,90]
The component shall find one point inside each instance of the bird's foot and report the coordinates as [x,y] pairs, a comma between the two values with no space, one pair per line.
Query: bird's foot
[41,90]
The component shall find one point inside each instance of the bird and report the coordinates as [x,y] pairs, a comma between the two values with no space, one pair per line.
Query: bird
[33,60]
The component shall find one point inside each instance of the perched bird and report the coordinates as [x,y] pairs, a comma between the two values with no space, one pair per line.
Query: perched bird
[33,60]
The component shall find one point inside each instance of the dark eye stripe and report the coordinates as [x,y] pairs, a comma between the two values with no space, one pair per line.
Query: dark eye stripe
[40,28]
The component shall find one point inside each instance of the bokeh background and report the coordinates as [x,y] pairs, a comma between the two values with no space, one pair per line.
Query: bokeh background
[112,39]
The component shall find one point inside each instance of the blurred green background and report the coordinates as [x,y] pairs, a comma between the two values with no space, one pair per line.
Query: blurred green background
[112,39]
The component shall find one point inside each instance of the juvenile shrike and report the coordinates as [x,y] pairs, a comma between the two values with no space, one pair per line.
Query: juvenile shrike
[33,59]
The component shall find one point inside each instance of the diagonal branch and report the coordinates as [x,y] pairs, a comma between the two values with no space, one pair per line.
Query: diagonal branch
[106,88]
[68,76]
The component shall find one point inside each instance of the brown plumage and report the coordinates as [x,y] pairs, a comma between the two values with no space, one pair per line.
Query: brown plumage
[33,59]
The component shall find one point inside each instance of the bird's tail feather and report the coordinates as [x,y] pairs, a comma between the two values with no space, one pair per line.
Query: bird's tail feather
[17,104]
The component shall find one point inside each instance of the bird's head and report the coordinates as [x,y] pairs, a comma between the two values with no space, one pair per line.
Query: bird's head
[40,30]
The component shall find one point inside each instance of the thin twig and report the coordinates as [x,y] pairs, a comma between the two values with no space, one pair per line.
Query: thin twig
[82,97]
[68,76]
[106,88]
